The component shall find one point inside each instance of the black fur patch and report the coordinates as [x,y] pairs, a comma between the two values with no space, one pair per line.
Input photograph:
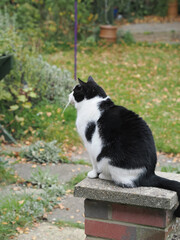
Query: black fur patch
[90,129]
[105,105]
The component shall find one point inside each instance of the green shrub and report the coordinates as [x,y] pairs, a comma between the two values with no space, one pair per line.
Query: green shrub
[31,80]
[43,179]
[50,184]
[42,152]
[29,69]
[125,37]
[52,22]
[129,9]
[27,22]
[49,81]
[6,173]
[170,169]
[18,211]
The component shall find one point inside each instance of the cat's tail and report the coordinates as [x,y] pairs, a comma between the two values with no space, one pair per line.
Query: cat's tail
[160,182]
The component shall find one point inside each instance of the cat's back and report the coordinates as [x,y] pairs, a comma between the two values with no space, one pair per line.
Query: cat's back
[118,121]
[126,135]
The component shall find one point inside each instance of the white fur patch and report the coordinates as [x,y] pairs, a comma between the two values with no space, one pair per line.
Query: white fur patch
[125,176]
[103,167]
[118,175]
[87,110]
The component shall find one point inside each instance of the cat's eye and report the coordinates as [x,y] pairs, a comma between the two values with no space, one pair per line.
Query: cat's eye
[78,87]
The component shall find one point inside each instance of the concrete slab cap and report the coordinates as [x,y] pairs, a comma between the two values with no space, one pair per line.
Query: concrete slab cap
[102,190]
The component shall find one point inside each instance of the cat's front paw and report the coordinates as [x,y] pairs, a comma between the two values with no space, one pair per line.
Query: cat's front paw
[105,177]
[92,174]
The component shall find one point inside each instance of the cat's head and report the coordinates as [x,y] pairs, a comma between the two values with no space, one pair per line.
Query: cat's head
[87,91]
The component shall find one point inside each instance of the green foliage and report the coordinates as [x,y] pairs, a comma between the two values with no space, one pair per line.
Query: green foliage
[5,95]
[170,169]
[50,184]
[42,152]
[133,9]
[130,9]
[104,10]
[17,211]
[49,81]
[69,224]
[142,77]
[43,179]
[125,37]
[27,21]
[31,79]
[6,173]
[46,80]
[44,121]
[75,180]
[54,23]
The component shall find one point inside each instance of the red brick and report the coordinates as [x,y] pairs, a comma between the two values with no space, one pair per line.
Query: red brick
[97,209]
[109,230]
[114,231]
[139,215]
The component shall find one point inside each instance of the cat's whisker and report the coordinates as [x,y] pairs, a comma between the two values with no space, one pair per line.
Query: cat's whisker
[66,106]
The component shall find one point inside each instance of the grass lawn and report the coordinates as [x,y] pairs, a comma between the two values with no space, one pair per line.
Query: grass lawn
[144,78]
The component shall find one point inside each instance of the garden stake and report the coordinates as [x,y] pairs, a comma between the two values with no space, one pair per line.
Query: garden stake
[75,39]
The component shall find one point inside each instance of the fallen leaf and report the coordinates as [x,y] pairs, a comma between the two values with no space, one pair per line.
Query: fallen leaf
[29,184]
[45,216]
[61,206]
[48,114]
[39,198]
[34,166]
[20,230]
[79,222]
[21,202]
[69,191]
[16,188]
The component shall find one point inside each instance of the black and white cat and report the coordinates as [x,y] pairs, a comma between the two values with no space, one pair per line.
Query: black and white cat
[119,142]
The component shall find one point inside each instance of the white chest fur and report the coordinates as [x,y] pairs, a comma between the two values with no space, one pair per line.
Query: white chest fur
[88,111]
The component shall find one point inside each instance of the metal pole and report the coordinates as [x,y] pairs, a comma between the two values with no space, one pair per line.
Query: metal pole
[75,40]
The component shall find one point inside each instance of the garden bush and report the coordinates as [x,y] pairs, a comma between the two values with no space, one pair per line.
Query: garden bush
[30,71]
[42,152]
[30,81]
[52,22]
[125,37]
[49,81]
[6,173]
[129,9]
[19,211]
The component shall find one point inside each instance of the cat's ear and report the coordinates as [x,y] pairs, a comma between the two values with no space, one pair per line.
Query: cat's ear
[81,82]
[90,79]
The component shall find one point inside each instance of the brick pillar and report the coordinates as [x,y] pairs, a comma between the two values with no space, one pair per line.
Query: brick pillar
[106,220]
[115,213]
